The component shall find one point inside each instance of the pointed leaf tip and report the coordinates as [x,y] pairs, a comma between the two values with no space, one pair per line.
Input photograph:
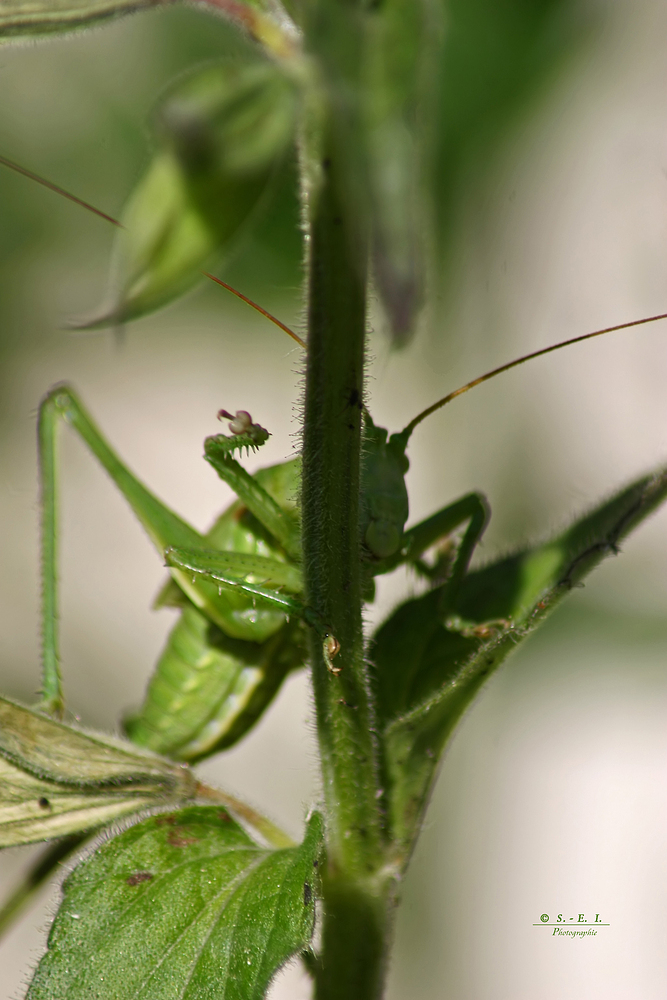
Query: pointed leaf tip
[57,780]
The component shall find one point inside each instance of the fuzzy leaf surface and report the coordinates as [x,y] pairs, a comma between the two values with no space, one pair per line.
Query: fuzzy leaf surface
[182,906]
[430,660]
[56,780]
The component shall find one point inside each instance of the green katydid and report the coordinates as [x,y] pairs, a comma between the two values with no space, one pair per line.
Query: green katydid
[384,506]
[239,587]
[229,652]
[242,624]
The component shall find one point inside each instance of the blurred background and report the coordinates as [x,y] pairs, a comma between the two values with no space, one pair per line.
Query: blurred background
[552,220]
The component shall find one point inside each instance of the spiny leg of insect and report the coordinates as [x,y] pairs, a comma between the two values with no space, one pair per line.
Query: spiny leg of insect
[222,566]
[256,499]
[202,563]
[52,700]
[163,526]
[472,509]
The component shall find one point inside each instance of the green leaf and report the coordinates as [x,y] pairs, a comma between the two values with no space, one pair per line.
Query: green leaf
[222,134]
[430,660]
[56,780]
[181,906]
[32,17]
[402,39]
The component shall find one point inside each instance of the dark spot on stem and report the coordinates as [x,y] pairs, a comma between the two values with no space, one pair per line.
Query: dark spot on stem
[43,803]
[307,894]
[224,816]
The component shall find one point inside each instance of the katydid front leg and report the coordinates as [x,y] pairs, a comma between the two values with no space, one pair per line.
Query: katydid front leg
[277,521]
[472,508]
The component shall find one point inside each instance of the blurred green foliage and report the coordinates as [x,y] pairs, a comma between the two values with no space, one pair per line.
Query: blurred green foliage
[222,133]
[500,56]
[75,111]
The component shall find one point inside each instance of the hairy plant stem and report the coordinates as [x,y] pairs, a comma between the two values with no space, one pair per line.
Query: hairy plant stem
[354,884]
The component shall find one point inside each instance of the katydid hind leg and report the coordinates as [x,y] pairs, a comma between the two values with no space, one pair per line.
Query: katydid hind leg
[52,700]
[62,404]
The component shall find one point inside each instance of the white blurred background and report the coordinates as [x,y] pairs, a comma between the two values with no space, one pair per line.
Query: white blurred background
[552,797]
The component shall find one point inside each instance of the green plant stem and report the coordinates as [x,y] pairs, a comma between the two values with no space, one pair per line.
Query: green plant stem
[354,884]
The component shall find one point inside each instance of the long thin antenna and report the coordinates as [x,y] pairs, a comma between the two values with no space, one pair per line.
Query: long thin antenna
[407,431]
[259,309]
[54,187]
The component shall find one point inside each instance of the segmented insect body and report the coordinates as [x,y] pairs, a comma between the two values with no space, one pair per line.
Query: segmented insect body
[209,688]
